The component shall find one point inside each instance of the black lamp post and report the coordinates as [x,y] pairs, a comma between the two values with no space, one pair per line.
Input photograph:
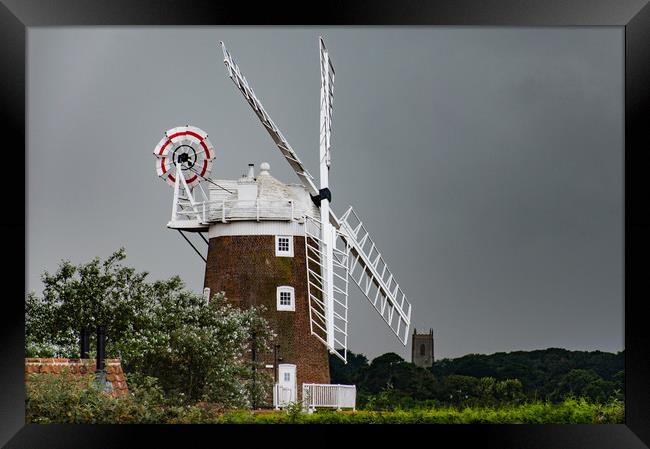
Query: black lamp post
[276,360]
[84,343]
[101,347]
[254,357]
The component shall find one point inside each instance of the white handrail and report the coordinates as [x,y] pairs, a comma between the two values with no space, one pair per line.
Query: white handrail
[224,210]
[256,209]
[329,395]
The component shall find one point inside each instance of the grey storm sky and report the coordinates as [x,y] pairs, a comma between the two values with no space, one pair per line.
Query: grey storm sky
[486,162]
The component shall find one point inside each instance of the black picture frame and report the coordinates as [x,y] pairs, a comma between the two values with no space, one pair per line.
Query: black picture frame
[632,15]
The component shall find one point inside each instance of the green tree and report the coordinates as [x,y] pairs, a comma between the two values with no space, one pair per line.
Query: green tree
[619,385]
[347,373]
[391,380]
[381,373]
[584,383]
[458,389]
[509,391]
[539,371]
[486,391]
[198,350]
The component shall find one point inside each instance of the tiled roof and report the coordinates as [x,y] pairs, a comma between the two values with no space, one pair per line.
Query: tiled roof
[113,368]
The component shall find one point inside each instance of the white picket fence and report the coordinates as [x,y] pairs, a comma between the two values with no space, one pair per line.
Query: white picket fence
[282,396]
[317,395]
[328,395]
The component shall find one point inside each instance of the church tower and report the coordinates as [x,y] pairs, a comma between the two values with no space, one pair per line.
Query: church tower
[422,349]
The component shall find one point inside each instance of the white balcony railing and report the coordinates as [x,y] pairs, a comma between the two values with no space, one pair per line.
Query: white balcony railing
[328,395]
[257,209]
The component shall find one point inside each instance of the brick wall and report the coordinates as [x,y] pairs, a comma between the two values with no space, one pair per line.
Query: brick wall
[113,368]
[247,270]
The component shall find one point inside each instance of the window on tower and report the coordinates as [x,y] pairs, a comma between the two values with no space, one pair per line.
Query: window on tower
[422,349]
[284,245]
[285,298]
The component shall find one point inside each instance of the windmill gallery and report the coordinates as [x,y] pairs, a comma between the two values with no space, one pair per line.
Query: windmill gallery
[281,246]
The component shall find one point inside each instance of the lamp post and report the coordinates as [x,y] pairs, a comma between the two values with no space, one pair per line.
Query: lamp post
[276,360]
[84,343]
[254,357]
[101,347]
[100,372]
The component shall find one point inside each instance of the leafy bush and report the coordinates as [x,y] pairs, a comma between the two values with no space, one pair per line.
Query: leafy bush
[199,350]
[294,411]
[74,399]
[68,398]
[570,411]
[64,398]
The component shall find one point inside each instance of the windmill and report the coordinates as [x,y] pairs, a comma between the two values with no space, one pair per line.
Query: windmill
[281,245]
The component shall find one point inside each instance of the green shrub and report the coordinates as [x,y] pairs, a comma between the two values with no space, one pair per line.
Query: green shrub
[197,350]
[66,398]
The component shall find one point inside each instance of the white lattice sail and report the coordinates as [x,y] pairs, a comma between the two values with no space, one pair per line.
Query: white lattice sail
[351,249]
[318,296]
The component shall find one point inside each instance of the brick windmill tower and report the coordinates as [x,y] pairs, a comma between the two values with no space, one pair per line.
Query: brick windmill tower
[280,245]
[257,256]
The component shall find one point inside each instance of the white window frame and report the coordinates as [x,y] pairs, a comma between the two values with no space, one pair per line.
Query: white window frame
[283,307]
[289,252]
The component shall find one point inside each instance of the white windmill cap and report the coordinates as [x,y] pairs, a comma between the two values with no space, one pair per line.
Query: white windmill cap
[264,168]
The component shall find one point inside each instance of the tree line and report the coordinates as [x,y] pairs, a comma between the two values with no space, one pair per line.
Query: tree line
[552,374]
[174,342]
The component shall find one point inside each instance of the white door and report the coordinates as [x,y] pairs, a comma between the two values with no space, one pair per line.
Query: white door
[287,383]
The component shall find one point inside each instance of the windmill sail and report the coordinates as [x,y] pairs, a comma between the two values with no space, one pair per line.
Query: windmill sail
[328,311]
[287,151]
[370,272]
[326,100]
[327,240]
[364,261]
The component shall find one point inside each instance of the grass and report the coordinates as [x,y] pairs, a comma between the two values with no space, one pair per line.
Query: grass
[571,411]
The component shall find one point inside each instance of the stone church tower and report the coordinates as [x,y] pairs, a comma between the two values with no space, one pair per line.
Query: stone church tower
[422,349]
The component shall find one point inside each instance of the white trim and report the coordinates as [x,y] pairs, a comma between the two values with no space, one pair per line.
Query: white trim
[283,307]
[285,392]
[234,228]
[288,252]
